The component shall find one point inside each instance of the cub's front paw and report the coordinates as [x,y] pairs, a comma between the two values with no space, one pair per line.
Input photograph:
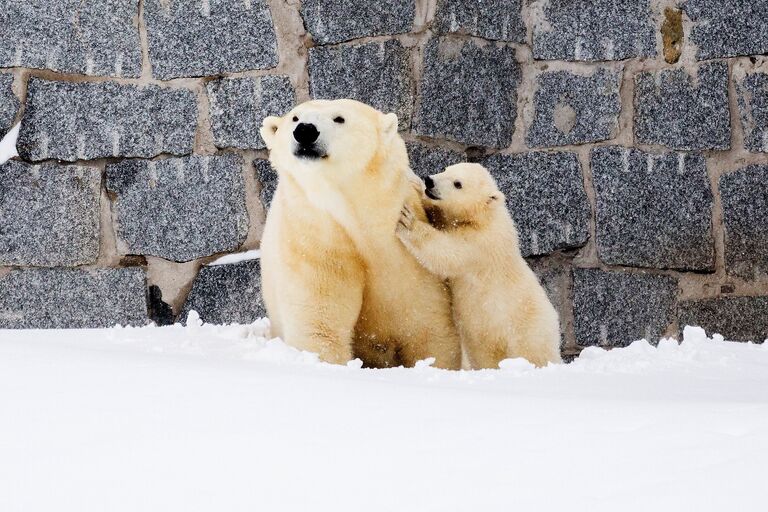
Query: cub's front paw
[406,218]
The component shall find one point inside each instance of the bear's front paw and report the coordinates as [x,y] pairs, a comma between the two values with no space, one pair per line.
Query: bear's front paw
[406,218]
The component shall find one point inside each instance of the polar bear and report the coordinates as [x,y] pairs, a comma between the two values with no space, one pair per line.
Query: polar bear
[335,279]
[499,307]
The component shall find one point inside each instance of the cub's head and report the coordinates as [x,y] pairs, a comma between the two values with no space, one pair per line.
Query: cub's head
[463,193]
[334,137]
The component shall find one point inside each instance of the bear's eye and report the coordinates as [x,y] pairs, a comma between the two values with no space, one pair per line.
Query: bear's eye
[338,119]
[457,184]
[295,119]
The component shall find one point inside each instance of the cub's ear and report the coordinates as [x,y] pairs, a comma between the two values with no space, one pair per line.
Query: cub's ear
[388,125]
[268,129]
[496,196]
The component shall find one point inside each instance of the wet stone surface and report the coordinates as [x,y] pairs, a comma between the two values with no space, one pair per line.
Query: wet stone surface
[190,38]
[96,38]
[617,308]
[83,121]
[72,298]
[179,209]
[239,105]
[224,294]
[735,318]
[49,214]
[545,194]
[674,110]
[575,109]
[653,210]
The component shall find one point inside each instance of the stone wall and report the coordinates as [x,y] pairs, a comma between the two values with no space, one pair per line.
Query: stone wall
[630,137]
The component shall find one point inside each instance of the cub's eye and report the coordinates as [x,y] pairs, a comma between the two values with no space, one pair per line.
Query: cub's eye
[295,119]
[457,184]
[338,119]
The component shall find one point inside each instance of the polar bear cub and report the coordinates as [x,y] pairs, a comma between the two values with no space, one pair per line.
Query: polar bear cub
[499,307]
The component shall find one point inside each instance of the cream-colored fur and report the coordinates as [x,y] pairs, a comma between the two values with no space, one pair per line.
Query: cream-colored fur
[499,306]
[336,280]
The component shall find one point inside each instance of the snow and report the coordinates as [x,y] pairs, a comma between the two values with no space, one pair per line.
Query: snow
[8,144]
[223,418]
[236,258]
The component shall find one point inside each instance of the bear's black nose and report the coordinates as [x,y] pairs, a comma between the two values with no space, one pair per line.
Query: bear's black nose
[305,133]
[429,182]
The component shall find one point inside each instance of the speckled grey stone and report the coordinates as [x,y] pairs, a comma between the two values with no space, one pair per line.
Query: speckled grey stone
[545,194]
[202,38]
[335,21]
[674,110]
[179,209]
[268,179]
[468,92]
[239,105]
[753,107]
[375,73]
[593,30]
[72,298]
[653,210]
[9,103]
[735,318]
[49,214]
[617,308]
[98,37]
[225,294]
[575,109]
[744,196]
[428,160]
[82,121]
[726,29]
[497,20]
[553,277]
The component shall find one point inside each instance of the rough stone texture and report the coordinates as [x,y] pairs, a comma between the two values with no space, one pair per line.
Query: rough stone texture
[426,160]
[735,318]
[617,308]
[553,279]
[468,92]
[753,106]
[575,109]
[593,30]
[9,104]
[726,29]
[224,294]
[268,179]
[82,121]
[744,195]
[497,20]
[49,215]
[545,194]
[97,37]
[653,210]
[179,208]
[239,105]
[72,298]
[676,110]
[334,21]
[200,38]
[374,73]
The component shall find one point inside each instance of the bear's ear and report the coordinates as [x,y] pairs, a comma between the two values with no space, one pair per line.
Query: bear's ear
[388,125]
[496,196]
[268,129]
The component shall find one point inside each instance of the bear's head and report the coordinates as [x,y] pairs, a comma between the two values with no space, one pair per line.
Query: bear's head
[338,138]
[462,193]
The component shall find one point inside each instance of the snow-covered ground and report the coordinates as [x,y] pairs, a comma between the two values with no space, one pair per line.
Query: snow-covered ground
[221,419]
[8,144]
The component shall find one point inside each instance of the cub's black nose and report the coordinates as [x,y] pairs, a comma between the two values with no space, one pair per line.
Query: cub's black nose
[428,182]
[305,133]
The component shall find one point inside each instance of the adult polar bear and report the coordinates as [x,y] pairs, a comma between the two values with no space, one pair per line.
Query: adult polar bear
[336,280]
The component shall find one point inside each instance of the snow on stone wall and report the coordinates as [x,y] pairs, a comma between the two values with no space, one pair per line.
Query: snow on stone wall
[631,140]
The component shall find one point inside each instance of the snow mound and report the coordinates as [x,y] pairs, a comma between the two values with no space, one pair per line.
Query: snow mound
[8,144]
[205,417]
